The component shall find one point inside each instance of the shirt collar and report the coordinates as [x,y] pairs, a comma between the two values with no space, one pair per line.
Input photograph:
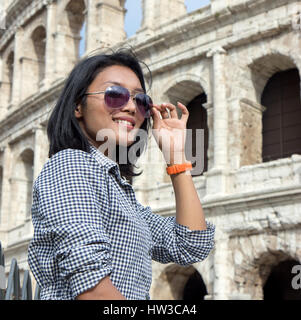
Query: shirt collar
[102,159]
[108,163]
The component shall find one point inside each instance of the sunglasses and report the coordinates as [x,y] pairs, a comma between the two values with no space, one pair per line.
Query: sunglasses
[116,97]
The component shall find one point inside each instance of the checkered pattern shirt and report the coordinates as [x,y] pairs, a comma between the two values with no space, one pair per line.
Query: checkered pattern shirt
[88,225]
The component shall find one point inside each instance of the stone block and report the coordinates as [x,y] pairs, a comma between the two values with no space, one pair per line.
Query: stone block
[260,174]
[281,171]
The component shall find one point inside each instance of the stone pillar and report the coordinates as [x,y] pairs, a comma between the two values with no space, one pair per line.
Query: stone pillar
[64,54]
[220,108]
[41,149]
[104,23]
[222,269]
[50,46]
[4,89]
[219,5]
[157,12]
[28,76]
[251,132]
[92,37]
[5,197]
[210,152]
[217,176]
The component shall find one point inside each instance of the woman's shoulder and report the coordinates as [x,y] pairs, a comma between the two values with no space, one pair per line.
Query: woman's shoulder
[69,156]
[66,157]
[68,162]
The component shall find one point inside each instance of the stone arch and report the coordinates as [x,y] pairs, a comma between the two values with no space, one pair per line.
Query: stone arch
[38,38]
[21,186]
[268,260]
[175,281]
[255,256]
[195,288]
[33,58]
[189,90]
[185,87]
[281,124]
[279,284]
[264,67]
[10,71]
[71,19]
[253,75]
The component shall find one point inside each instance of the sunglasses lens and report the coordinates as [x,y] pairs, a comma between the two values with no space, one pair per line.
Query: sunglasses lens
[116,97]
[144,104]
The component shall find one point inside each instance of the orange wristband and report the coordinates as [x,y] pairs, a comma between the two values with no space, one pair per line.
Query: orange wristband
[177,168]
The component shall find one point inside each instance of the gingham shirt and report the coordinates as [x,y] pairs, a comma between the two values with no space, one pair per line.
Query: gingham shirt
[88,225]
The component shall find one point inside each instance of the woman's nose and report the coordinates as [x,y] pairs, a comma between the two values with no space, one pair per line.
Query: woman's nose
[131,105]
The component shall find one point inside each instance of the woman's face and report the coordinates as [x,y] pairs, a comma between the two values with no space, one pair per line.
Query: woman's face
[97,116]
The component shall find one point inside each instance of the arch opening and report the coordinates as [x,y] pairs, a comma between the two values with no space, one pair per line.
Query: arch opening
[76,28]
[180,283]
[279,283]
[195,288]
[196,149]
[281,122]
[21,187]
[191,94]
[39,44]
[7,82]
[263,68]
[10,71]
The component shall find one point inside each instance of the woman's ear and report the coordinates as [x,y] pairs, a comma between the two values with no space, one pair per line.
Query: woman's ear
[78,111]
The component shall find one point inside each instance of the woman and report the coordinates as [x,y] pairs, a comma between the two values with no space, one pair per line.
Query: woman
[92,238]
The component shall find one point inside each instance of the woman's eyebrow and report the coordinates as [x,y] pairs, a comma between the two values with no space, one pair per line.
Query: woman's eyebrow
[119,84]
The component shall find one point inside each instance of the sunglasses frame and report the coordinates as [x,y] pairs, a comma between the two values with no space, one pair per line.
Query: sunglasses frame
[133,96]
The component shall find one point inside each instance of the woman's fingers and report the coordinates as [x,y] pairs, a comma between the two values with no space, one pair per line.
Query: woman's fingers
[169,111]
[157,110]
[185,113]
[172,109]
[164,111]
[156,116]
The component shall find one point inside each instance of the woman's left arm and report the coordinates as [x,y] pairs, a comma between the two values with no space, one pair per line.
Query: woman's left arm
[189,210]
[170,134]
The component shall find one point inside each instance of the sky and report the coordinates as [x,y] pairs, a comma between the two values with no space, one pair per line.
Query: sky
[133,16]
[134,13]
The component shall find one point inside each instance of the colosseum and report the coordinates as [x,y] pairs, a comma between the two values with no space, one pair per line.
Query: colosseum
[236,65]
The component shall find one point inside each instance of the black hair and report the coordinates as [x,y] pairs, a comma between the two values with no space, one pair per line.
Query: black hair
[63,129]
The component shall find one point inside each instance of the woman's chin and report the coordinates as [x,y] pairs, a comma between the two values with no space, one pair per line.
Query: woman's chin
[124,142]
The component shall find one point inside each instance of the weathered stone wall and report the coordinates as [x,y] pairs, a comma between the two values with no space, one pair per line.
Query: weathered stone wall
[228,50]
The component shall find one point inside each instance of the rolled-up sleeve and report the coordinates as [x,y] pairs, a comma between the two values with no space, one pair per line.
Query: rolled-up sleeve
[176,243]
[70,246]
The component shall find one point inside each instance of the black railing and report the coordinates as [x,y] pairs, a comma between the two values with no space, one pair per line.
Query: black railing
[14,291]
